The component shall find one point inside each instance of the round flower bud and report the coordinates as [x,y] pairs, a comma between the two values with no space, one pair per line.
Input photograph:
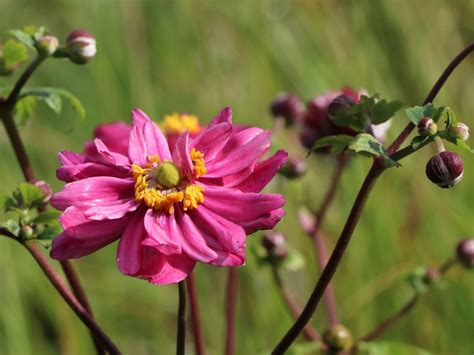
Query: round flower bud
[427,127]
[339,105]
[445,169]
[307,221]
[432,275]
[26,232]
[45,189]
[465,252]
[338,338]
[287,106]
[47,45]
[293,168]
[460,131]
[274,243]
[81,46]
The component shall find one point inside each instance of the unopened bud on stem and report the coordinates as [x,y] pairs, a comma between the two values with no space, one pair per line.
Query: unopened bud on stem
[288,107]
[274,243]
[427,127]
[338,338]
[47,45]
[465,252]
[81,46]
[460,131]
[445,169]
[293,168]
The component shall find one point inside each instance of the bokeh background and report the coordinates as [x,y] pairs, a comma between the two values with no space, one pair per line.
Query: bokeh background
[199,56]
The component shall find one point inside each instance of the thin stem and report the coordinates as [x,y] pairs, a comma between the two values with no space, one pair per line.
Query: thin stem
[439,145]
[231,308]
[195,314]
[6,113]
[334,260]
[319,244]
[70,299]
[309,332]
[431,95]
[390,321]
[181,331]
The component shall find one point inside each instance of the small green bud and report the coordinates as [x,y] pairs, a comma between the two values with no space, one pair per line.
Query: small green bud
[47,45]
[26,232]
[338,338]
[460,131]
[427,127]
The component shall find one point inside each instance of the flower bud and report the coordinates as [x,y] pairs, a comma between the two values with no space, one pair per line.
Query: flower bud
[445,169]
[460,131]
[465,252]
[293,168]
[307,221]
[47,45]
[338,338]
[26,232]
[339,105]
[287,106]
[274,243]
[432,275]
[81,46]
[427,127]
[45,189]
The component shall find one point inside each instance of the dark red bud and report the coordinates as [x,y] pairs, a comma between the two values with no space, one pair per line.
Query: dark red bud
[445,169]
[287,106]
[427,127]
[293,168]
[465,252]
[274,243]
[45,189]
[339,105]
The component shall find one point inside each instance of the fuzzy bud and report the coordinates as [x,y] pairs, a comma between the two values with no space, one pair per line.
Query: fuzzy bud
[339,105]
[47,45]
[274,243]
[461,131]
[293,168]
[287,106]
[81,46]
[307,221]
[427,127]
[45,189]
[338,338]
[465,252]
[445,169]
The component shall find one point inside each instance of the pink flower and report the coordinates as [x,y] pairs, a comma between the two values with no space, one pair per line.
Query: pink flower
[169,208]
[316,122]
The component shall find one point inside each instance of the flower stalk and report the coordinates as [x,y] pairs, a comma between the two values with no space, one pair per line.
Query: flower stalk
[195,314]
[231,310]
[181,326]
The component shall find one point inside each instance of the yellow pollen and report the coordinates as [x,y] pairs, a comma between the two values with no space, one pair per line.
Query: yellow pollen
[198,161]
[178,123]
[193,195]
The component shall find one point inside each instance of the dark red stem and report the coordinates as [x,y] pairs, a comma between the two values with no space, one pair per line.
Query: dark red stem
[231,310]
[309,332]
[181,326]
[195,314]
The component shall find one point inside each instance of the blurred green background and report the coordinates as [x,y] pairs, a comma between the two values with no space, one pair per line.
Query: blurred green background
[199,56]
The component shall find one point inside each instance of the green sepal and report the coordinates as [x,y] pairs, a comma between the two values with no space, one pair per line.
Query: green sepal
[11,226]
[338,143]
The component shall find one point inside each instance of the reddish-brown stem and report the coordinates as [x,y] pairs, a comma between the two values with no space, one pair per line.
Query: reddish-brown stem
[181,325]
[231,310]
[195,314]
[309,332]
[431,95]
[6,113]
[80,311]
[318,238]
[375,171]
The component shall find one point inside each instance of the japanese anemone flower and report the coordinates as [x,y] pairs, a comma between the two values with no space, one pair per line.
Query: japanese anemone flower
[168,208]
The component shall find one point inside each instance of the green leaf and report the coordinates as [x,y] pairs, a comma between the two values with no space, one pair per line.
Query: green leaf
[461,144]
[48,217]
[383,111]
[419,141]
[14,52]
[11,226]
[294,260]
[415,114]
[389,348]
[53,98]
[338,143]
[24,37]
[367,145]
[451,120]
[24,108]
[313,348]
[28,195]
[50,232]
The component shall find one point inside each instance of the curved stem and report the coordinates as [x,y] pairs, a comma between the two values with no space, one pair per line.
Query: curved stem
[6,113]
[181,329]
[431,95]
[334,260]
[195,314]
[54,278]
[309,332]
[231,308]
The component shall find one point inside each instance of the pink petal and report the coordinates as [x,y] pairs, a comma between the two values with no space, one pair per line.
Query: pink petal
[94,191]
[175,269]
[249,210]
[114,135]
[67,157]
[181,155]
[133,258]
[99,153]
[69,173]
[160,235]
[211,141]
[263,173]
[146,139]
[193,243]
[224,116]
[229,259]
[114,210]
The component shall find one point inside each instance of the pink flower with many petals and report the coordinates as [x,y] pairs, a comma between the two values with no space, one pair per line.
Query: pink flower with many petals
[169,208]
